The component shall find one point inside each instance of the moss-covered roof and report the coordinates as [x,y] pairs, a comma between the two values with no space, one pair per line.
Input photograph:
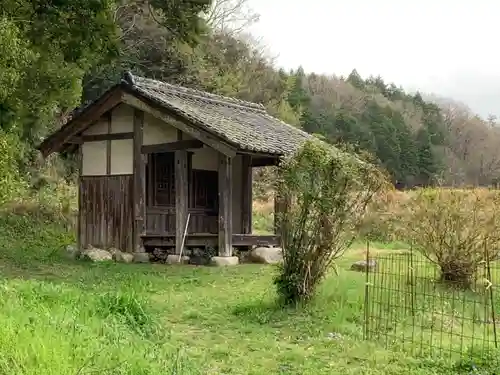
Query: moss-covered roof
[246,125]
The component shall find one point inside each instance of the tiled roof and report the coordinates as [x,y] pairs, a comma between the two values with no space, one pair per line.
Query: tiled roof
[245,125]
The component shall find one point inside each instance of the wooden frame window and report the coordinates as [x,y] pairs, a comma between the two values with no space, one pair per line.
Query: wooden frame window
[161,179]
[204,190]
[160,184]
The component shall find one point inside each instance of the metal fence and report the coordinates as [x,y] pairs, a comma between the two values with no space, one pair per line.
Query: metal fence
[407,307]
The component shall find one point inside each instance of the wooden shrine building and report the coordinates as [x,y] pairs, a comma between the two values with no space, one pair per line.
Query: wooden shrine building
[155,156]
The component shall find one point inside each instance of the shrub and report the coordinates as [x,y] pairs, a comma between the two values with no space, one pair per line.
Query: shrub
[323,194]
[455,229]
[11,184]
[381,220]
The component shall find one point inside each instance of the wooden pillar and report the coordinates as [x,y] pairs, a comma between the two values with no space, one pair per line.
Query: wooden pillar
[225,206]
[109,119]
[80,240]
[246,194]
[139,183]
[181,197]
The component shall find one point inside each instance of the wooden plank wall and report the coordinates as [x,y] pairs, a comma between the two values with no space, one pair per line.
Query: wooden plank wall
[160,220]
[106,211]
[202,196]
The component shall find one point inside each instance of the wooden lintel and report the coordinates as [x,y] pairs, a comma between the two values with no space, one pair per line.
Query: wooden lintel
[101,137]
[246,194]
[171,146]
[181,197]
[255,240]
[181,124]
[201,240]
[225,206]
[139,166]
[79,235]
[108,144]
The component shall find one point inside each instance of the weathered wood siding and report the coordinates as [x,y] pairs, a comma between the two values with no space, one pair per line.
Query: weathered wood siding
[161,187]
[106,211]
[105,188]
[203,187]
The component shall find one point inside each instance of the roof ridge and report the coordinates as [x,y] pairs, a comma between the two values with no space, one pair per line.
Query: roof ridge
[196,94]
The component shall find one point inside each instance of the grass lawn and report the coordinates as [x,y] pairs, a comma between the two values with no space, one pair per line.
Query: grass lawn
[59,317]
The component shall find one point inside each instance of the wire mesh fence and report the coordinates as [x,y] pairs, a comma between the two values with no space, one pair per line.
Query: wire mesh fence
[408,306]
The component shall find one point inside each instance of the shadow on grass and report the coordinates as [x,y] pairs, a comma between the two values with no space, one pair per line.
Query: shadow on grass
[264,312]
[77,273]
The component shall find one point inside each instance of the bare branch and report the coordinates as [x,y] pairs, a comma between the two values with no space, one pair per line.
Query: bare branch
[230,16]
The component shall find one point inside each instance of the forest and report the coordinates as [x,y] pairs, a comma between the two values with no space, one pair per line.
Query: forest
[57,55]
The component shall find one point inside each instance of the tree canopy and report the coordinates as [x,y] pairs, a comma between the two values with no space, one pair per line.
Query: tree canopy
[55,55]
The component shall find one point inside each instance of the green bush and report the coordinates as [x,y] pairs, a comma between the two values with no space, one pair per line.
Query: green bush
[323,193]
[458,230]
[11,183]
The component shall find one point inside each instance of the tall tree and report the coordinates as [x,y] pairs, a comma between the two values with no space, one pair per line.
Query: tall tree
[355,79]
[47,50]
[298,97]
[427,164]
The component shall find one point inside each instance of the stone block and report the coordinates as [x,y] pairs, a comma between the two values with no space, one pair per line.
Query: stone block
[141,258]
[174,259]
[267,255]
[96,255]
[224,261]
[363,266]
[122,257]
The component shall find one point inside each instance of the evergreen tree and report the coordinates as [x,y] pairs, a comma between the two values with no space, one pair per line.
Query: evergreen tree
[355,79]
[427,165]
[298,97]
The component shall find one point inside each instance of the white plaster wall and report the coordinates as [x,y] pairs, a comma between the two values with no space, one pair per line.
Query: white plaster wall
[122,119]
[100,127]
[157,131]
[94,154]
[122,151]
[205,158]
[122,156]
[94,158]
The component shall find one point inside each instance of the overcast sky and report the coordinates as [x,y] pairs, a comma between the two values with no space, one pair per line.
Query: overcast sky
[445,47]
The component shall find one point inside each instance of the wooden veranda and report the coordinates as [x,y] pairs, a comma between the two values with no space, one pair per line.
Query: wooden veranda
[199,206]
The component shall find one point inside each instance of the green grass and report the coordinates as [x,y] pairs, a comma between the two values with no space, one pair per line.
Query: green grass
[263,221]
[62,317]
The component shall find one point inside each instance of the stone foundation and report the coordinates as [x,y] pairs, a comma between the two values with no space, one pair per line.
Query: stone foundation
[141,258]
[224,261]
[174,259]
